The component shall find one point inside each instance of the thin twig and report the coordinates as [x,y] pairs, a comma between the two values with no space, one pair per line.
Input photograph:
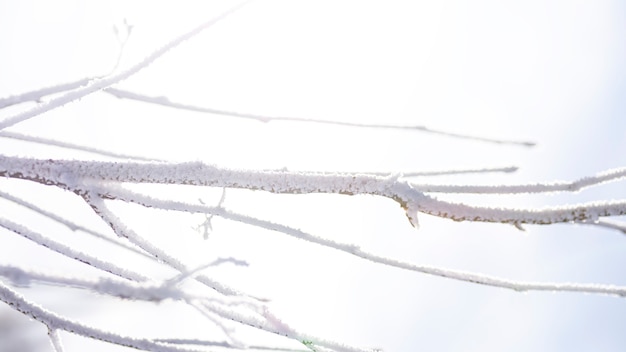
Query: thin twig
[405,174]
[101,209]
[48,318]
[73,146]
[144,291]
[37,94]
[164,101]
[69,252]
[71,225]
[55,339]
[107,81]
[615,225]
[559,186]
[224,344]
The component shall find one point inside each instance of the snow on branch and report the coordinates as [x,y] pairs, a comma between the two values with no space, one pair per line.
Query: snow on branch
[542,216]
[101,209]
[198,342]
[37,94]
[151,202]
[165,101]
[404,174]
[144,291]
[506,169]
[69,252]
[101,83]
[55,339]
[615,225]
[70,174]
[70,224]
[57,322]
[559,186]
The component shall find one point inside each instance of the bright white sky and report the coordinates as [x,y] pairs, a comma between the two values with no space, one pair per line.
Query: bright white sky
[546,71]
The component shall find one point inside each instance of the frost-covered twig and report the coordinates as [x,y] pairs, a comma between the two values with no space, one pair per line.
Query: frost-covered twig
[403,174]
[197,342]
[506,169]
[55,339]
[122,34]
[147,201]
[541,216]
[48,318]
[559,186]
[164,101]
[37,94]
[69,252]
[220,323]
[61,144]
[206,225]
[107,286]
[107,81]
[71,225]
[137,291]
[176,280]
[262,322]
[144,291]
[615,225]
[100,208]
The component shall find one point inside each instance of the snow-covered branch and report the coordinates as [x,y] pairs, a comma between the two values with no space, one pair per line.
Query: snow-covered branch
[75,175]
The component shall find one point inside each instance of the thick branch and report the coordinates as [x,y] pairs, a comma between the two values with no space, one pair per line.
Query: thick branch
[77,175]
